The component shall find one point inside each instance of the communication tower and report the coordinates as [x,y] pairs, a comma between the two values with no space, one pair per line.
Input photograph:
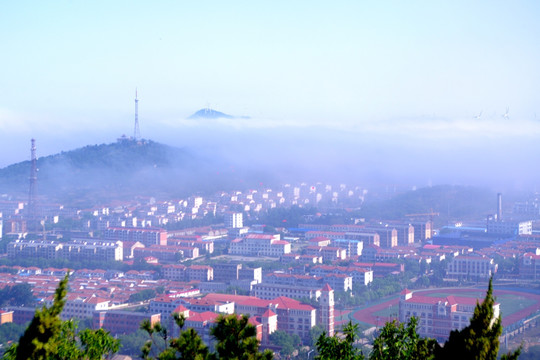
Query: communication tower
[32,192]
[136,131]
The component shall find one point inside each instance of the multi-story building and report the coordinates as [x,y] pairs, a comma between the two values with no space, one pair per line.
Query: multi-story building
[328,253]
[529,266]
[348,275]
[388,235]
[270,291]
[225,272]
[34,249]
[130,246]
[260,245]
[233,220]
[77,307]
[199,273]
[175,272]
[204,246]
[509,227]
[352,247]
[438,316]
[90,249]
[146,236]
[326,310]
[405,234]
[74,250]
[122,322]
[167,254]
[471,267]
[422,230]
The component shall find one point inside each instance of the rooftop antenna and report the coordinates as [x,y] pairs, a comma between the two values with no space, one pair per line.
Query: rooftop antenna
[505,115]
[479,116]
[136,131]
[32,191]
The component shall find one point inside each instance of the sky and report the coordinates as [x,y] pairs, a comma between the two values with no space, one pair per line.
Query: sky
[415,70]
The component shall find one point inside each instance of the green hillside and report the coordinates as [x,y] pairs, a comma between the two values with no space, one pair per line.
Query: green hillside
[451,202]
[121,170]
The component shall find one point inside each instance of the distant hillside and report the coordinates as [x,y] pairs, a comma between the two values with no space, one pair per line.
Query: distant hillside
[98,173]
[207,113]
[451,202]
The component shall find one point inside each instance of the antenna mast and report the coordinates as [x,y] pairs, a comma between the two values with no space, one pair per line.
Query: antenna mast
[136,131]
[32,192]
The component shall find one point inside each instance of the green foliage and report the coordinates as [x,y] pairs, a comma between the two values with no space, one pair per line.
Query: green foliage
[532,353]
[335,347]
[287,343]
[138,264]
[48,337]
[17,295]
[188,345]
[314,334]
[10,332]
[236,339]
[397,341]
[143,295]
[288,217]
[41,339]
[450,201]
[479,340]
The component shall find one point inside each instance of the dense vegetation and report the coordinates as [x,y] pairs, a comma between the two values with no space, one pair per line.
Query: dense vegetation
[96,174]
[17,295]
[451,202]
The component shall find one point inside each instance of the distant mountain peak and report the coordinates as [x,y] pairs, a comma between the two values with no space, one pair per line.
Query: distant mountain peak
[208,113]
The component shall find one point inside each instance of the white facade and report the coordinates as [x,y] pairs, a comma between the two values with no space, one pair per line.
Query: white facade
[234,220]
[471,267]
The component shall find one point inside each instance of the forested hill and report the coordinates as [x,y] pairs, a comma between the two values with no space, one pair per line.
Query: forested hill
[123,169]
[451,202]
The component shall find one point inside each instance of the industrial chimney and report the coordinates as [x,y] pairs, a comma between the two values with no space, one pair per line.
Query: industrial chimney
[499,207]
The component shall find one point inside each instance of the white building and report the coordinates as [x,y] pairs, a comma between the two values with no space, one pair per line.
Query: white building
[260,245]
[471,267]
[233,220]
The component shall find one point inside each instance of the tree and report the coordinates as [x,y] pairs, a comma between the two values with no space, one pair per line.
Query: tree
[287,343]
[314,334]
[187,346]
[399,342]
[479,340]
[334,347]
[236,339]
[143,295]
[48,337]
[17,295]
[40,339]
[234,334]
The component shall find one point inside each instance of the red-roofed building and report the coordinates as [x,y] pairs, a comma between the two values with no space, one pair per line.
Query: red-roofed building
[438,316]
[269,322]
[122,322]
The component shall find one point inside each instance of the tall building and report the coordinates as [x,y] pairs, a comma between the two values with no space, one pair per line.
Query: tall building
[233,220]
[326,310]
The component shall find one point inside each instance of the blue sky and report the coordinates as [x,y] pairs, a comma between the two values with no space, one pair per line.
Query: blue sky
[70,68]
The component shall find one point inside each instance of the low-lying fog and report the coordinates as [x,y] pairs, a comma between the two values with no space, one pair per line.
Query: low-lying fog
[493,151]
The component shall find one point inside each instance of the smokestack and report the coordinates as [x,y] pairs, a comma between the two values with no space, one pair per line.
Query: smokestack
[499,207]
